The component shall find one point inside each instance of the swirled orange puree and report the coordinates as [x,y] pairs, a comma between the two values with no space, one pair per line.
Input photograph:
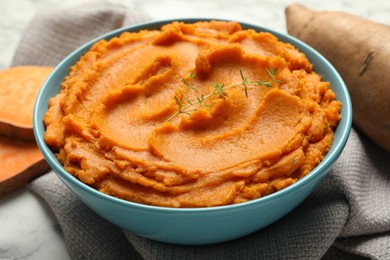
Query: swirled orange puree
[117,125]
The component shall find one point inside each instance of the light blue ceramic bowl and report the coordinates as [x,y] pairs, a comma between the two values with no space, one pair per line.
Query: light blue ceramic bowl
[196,226]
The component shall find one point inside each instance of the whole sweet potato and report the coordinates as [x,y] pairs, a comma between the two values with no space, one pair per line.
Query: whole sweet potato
[359,49]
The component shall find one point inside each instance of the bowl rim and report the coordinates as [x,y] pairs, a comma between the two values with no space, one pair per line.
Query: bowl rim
[332,155]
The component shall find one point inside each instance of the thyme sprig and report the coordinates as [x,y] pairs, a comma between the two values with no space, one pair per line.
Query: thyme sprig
[188,83]
[219,90]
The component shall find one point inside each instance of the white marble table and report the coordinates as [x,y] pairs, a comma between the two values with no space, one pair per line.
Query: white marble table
[28,230]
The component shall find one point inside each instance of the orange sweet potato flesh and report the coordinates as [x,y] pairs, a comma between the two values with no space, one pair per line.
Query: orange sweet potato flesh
[19,87]
[20,162]
[20,158]
[359,50]
[111,126]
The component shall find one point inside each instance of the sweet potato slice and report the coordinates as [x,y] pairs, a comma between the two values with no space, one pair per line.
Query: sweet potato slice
[359,50]
[20,162]
[19,87]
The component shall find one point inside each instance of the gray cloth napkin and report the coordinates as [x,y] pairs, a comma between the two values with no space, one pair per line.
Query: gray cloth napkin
[347,217]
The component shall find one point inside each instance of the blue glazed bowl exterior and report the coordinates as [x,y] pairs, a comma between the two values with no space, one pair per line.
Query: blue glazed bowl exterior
[196,226]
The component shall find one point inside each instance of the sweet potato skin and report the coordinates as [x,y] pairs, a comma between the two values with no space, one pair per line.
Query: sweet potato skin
[22,178]
[21,162]
[19,88]
[20,158]
[359,50]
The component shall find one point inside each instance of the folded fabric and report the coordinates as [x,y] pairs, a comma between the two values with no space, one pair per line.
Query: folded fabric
[347,217]
[53,33]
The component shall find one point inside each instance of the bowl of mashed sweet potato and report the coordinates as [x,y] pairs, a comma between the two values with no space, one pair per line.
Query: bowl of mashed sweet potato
[193,131]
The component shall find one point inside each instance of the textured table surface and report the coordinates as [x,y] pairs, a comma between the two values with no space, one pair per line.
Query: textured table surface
[28,229]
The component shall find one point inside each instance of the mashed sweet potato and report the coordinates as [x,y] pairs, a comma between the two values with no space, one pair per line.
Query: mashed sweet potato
[192,115]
